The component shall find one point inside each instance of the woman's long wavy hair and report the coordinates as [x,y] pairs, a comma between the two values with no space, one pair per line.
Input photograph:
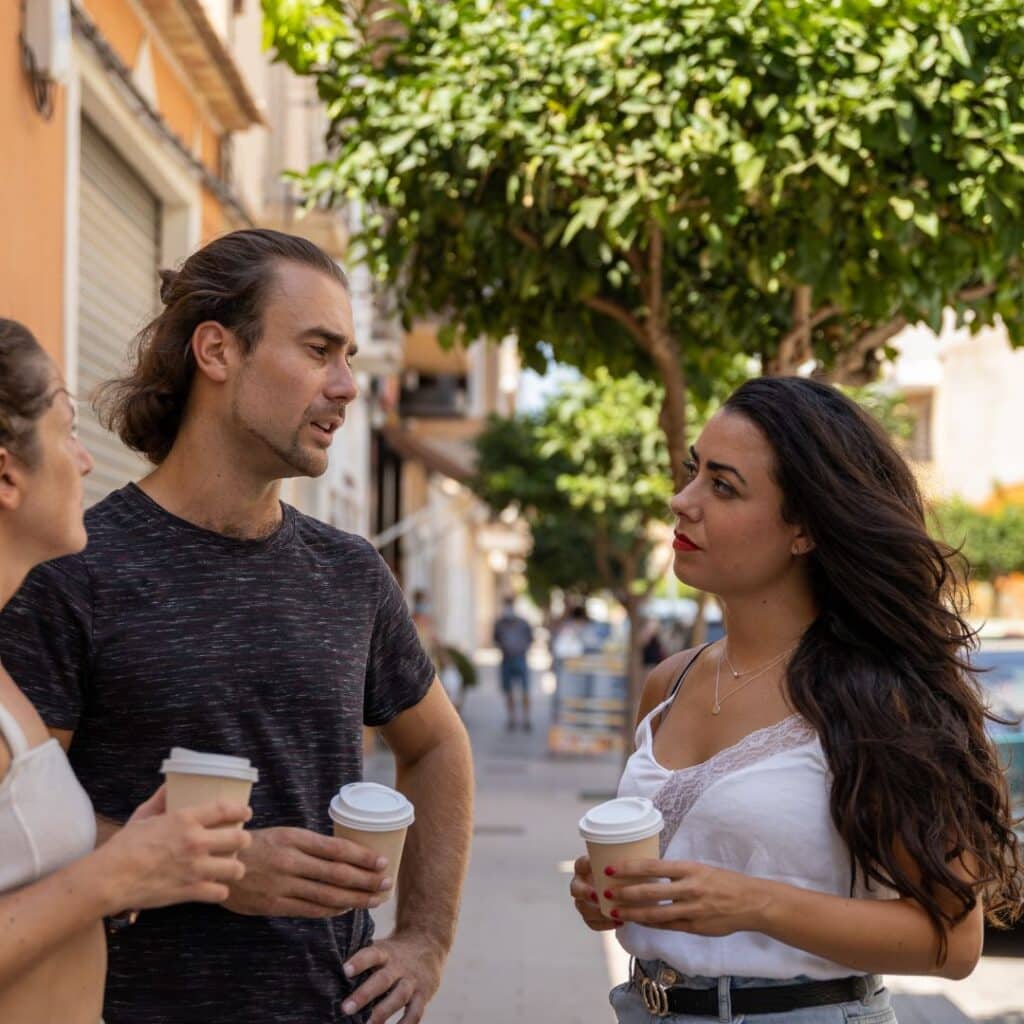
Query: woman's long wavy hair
[227,281]
[883,673]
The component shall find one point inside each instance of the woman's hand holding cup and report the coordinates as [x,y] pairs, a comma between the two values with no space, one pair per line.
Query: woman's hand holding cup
[584,894]
[188,855]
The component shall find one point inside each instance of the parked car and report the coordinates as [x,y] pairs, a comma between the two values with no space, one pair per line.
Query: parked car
[1003,658]
[1001,662]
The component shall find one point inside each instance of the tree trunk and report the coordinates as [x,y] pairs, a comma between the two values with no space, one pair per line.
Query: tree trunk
[699,629]
[634,673]
[665,352]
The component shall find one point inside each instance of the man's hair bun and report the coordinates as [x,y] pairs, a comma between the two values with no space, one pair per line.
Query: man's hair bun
[167,280]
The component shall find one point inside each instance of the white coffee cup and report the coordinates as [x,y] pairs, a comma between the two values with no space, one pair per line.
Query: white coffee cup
[627,828]
[376,817]
[195,777]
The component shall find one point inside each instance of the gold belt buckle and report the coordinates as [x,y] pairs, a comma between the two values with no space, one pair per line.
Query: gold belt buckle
[655,997]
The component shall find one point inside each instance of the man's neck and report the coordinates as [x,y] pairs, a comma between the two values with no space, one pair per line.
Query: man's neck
[198,484]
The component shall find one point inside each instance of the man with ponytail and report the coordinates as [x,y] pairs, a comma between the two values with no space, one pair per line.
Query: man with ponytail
[205,613]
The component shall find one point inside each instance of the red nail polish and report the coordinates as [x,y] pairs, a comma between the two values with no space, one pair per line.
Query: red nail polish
[593,895]
[615,914]
[608,894]
[610,872]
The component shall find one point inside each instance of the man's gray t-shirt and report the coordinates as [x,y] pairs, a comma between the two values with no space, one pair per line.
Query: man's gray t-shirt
[163,634]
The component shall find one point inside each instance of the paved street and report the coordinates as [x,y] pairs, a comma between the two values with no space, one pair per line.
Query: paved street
[521,955]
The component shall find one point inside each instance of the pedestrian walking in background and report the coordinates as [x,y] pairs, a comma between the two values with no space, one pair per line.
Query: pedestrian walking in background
[653,650]
[206,613]
[513,636]
[55,888]
[833,807]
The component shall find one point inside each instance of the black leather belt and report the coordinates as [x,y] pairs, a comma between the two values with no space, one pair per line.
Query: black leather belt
[662,999]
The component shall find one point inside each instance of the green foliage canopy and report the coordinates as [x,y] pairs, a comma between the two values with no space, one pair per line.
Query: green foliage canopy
[658,184]
[992,542]
[591,475]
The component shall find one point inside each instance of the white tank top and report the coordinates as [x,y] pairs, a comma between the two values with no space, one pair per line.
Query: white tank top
[46,819]
[760,807]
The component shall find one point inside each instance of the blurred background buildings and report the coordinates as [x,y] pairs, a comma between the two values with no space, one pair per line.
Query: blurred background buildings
[168,126]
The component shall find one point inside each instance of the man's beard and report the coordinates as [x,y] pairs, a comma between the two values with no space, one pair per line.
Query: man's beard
[294,455]
[303,461]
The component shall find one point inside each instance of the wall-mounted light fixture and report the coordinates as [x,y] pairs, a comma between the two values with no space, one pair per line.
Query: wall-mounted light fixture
[46,48]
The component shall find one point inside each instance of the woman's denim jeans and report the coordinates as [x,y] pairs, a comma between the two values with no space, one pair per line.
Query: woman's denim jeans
[874,1009]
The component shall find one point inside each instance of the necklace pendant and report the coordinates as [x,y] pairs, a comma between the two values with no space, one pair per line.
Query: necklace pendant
[735,674]
[717,709]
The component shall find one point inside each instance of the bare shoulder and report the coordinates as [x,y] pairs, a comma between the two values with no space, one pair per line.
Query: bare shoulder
[660,679]
[18,706]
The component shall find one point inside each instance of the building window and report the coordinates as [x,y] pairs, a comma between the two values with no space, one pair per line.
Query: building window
[433,394]
[919,444]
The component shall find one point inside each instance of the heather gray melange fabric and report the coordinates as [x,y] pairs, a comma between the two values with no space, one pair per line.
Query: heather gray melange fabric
[162,634]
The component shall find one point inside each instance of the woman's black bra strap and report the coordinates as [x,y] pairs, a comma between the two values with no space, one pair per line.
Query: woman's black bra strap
[686,671]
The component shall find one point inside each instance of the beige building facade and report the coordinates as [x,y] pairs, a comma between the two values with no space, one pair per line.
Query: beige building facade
[965,393]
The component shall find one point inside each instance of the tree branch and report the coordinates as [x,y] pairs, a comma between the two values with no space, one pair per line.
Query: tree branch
[658,576]
[621,315]
[795,346]
[851,360]
[655,262]
[597,303]
[601,558]
[636,262]
[981,291]
[525,237]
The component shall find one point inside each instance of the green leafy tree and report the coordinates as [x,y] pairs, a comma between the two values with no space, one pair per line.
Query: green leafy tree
[992,542]
[591,475]
[658,185]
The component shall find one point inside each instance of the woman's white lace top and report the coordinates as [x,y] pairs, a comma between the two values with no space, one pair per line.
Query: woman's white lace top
[760,807]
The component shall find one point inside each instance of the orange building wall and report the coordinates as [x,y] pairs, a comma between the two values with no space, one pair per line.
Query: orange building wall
[33,167]
[173,101]
[214,220]
[31,198]
[209,151]
[119,25]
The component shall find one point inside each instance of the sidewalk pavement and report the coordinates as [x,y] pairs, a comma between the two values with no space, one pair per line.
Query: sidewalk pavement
[521,954]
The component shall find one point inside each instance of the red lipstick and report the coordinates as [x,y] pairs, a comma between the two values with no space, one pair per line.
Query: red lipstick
[683,543]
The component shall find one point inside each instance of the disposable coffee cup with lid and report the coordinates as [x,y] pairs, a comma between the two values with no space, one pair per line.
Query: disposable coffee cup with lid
[371,807]
[627,828]
[376,817]
[183,761]
[197,777]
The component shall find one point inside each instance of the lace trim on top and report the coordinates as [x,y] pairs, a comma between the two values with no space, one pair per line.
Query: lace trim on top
[685,786]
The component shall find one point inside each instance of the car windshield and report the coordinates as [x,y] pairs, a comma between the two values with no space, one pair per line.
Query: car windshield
[1004,684]
[1003,679]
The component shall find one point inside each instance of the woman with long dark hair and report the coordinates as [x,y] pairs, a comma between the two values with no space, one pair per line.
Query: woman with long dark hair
[834,809]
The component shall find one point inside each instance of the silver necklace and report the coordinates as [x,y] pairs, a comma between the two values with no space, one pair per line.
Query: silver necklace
[737,674]
[716,708]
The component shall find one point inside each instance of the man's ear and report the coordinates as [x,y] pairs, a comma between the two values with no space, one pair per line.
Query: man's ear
[12,480]
[215,350]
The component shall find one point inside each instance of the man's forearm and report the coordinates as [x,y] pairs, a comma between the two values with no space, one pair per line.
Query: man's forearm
[440,786]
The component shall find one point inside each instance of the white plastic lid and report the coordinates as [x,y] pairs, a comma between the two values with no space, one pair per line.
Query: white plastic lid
[371,807]
[194,762]
[625,820]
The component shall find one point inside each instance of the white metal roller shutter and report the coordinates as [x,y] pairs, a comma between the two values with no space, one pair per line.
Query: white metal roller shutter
[119,245]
